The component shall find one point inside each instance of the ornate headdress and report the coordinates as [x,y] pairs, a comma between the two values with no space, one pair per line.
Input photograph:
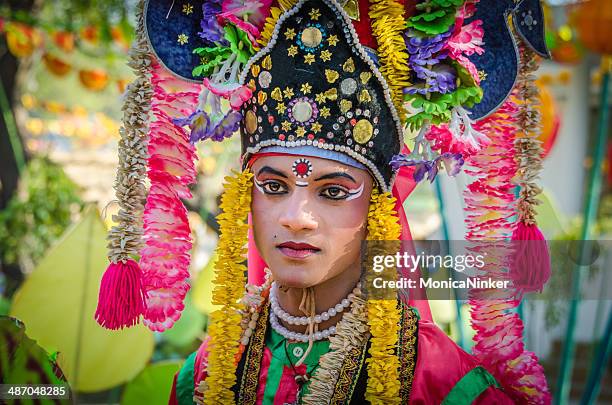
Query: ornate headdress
[328,78]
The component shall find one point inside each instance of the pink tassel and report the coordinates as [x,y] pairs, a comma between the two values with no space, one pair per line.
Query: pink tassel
[121,300]
[530,268]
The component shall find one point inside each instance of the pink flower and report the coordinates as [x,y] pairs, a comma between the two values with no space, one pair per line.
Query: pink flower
[248,15]
[235,93]
[466,40]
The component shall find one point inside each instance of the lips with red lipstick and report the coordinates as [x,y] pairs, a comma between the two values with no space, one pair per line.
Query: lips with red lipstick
[297,250]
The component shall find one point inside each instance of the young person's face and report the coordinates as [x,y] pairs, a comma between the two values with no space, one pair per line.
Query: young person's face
[309,217]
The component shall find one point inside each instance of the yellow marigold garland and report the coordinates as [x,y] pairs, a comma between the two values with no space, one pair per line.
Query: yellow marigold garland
[388,26]
[383,314]
[225,330]
[275,13]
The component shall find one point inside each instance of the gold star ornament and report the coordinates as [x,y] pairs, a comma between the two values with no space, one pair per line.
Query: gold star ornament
[326,56]
[182,39]
[332,40]
[187,9]
[292,51]
[281,108]
[315,14]
[288,92]
[290,33]
[306,88]
[309,58]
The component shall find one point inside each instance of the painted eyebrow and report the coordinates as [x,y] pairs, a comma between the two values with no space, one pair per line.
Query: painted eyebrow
[336,175]
[268,169]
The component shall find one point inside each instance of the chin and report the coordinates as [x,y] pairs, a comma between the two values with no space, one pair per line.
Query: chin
[296,274]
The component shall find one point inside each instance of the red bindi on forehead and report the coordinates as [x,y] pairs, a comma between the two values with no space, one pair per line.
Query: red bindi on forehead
[302,168]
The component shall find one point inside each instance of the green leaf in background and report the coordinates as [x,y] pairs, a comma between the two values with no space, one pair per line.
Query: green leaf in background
[152,386]
[38,214]
[189,327]
[57,303]
[203,287]
[22,361]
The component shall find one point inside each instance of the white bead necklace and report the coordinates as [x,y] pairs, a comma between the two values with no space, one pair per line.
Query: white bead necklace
[300,337]
[304,320]
[304,337]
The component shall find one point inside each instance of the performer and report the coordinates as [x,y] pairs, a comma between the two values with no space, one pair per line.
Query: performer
[318,89]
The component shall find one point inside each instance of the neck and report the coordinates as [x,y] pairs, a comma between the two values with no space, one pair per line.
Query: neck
[327,294]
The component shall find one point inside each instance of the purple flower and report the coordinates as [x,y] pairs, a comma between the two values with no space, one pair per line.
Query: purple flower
[227,126]
[203,127]
[212,33]
[429,168]
[426,59]
[421,48]
[422,167]
[198,122]
[453,162]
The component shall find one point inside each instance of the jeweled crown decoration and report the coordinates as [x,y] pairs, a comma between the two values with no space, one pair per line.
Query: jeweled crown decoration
[314,84]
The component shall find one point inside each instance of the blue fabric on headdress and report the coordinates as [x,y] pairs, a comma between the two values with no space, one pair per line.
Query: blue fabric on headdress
[165,21]
[528,19]
[500,60]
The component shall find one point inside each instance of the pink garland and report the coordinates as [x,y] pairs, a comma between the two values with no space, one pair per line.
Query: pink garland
[490,204]
[166,256]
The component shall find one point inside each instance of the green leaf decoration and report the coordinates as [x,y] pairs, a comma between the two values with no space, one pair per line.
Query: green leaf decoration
[152,386]
[433,4]
[57,303]
[239,43]
[211,58]
[22,360]
[433,23]
[189,327]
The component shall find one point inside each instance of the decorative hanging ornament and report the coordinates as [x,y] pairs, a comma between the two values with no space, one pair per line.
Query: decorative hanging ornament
[121,300]
[594,22]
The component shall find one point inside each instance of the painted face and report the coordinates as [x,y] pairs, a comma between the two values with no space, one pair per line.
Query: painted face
[309,217]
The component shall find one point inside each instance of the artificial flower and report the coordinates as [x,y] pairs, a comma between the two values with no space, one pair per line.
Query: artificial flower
[212,33]
[199,124]
[453,162]
[165,257]
[248,15]
[210,58]
[236,94]
[240,43]
[429,168]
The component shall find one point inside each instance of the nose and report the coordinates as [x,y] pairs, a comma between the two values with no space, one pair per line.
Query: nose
[296,216]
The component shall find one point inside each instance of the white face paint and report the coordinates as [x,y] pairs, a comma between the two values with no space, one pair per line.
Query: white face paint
[355,193]
[259,186]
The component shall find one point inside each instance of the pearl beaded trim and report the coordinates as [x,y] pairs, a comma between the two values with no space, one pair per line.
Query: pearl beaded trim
[304,320]
[300,337]
[353,40]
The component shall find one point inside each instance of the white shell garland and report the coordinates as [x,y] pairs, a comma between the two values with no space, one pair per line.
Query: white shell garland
[125,238]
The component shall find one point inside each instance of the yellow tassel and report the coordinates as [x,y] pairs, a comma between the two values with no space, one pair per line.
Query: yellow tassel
[388,26]
[383,315]
[230,281]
